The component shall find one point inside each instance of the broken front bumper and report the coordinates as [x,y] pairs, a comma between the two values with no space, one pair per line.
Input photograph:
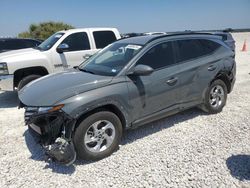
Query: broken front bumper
[54,132]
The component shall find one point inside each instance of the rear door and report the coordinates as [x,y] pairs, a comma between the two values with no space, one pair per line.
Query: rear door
[198,64]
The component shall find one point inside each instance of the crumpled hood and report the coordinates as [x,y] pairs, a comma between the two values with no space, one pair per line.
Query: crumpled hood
[17,53]
[50,89]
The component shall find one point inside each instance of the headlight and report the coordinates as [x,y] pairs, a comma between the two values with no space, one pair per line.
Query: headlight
[50,109]
[3,69]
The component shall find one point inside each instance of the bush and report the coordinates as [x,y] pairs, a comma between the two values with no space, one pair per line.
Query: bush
[44,30]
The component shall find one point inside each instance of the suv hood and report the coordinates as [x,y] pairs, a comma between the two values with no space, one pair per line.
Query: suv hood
[50,89]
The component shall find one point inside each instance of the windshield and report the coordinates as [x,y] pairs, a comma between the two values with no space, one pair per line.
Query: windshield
[49,42]
[111,60]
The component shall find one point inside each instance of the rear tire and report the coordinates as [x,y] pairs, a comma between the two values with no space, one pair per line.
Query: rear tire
[27,80]
[215,97]
[98,136]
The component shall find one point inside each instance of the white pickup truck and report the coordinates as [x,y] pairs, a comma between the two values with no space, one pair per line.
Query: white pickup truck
[62,50]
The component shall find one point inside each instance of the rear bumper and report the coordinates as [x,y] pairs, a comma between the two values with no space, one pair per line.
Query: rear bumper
[232,84]
[232,77]
[6,82]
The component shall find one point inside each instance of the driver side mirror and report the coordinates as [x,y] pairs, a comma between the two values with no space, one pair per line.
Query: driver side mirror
[62,48]
[142,70]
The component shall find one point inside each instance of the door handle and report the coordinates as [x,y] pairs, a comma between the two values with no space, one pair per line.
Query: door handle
[172,81]
[211,68]
[87,56]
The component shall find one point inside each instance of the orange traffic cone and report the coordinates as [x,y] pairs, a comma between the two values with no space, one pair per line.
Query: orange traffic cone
[244,48]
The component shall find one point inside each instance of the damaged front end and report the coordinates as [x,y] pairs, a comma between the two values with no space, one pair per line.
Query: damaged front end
[53,129]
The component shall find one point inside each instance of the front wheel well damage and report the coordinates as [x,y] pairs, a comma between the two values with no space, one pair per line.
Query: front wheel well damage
[109,107]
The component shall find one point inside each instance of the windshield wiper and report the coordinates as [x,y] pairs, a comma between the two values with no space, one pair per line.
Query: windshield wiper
[84,70]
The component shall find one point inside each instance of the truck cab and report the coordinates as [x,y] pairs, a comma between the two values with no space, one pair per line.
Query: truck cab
[64,49]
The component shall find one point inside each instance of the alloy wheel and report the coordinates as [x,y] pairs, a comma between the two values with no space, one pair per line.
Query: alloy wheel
[217,96]
[99,136]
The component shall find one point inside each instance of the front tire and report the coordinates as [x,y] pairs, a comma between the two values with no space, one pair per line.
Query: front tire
[98,136]
[215,97]
[27,80]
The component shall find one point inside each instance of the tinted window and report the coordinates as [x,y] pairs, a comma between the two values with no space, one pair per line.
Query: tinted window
[4,45]
[195,48]
[189,49]
[159,56]
[13,44]
[1,44]
[77,41]
[103,38]
[209,46]
[30,43]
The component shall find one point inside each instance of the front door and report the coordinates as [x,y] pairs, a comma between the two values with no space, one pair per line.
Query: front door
[153,93]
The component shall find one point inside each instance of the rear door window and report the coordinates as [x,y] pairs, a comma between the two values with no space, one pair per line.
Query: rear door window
[103,38]
[189,49]
[77,41]
[209,46]
[195,48]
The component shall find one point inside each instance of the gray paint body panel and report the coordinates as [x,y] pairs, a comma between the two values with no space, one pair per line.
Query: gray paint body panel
[137,97]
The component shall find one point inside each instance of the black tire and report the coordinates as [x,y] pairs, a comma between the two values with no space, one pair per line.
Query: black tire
[207,106]
[27,80]
[79,142]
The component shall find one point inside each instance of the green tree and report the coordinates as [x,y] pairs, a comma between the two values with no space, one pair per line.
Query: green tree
[44,30]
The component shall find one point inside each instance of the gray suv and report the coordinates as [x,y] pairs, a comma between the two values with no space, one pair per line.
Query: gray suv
[84,111]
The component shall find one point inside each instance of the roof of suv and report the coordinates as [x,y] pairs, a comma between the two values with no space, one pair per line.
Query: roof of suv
[142,40]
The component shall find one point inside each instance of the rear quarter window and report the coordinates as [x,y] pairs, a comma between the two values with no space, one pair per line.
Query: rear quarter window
[103,38]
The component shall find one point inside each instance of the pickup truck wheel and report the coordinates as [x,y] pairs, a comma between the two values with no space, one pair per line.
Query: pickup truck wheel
[215,98]
[27,80]
[98,136]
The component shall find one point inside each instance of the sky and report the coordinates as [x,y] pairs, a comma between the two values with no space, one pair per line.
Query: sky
[126,15]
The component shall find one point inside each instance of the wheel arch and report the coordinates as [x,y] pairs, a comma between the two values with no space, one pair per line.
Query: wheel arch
[223,76]
[107,107]
[21,73]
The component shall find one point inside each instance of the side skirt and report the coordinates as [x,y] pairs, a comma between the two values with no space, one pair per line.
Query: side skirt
[163,114]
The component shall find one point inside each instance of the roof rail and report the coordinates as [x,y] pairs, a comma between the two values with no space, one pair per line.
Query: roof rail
[178,34]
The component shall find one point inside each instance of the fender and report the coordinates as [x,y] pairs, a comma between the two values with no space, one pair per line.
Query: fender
[81,111]
[80,104]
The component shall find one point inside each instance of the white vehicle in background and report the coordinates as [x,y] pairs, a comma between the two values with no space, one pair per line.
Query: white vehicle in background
[63,50]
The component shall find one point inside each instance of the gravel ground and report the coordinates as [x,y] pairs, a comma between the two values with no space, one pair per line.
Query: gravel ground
[191,149]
